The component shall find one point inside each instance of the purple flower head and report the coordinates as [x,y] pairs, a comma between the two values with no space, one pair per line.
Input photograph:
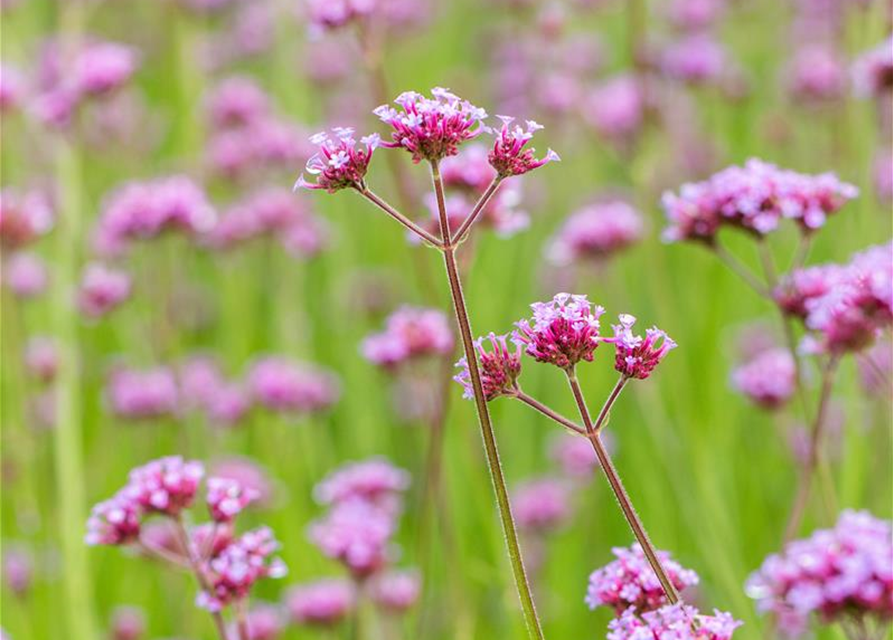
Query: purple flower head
[410,333]
[873,71]
[227,498]
[396,591]
[672,622]
[18,569]
[339,163]
[615,108]
[41,358]
[331,14]
[542,504]
[24,218]
[696,59]
[510,155]
[375,480]
[799,287]
[227,404]
[102,290]
[242,563]
[127,623]
[323,603]
[499,367]
[596,232]
[135,394]
[288,387]
[768,379]
[12,88]
[562,332]
[816,74]
[103,67]
[357,534]
[237,101]
[431,128]
[166,485]
[694,15]
[25,274]
[630,584]
[636,357]
[114,522]
[248,474]
[844,573]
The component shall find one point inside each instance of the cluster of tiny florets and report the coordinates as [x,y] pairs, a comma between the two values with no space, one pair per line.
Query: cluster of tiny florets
[768,379]
[676,622]
[410,333]
[839,575]
[102,289]
[596,232]
[284,386]
[629,582]
[375,480]
[339,163]
[542,504]
[636,357]
[510,155]
[563,331]
[755,197]
[499,367]
[873,70]
[323,603]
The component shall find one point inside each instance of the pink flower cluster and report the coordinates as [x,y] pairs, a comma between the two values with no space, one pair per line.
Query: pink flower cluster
[243,562]
[323,603]
[284,386]
[499,367]
[410,333]
[204,387]
[375,480]
[510,155]
[615,108]
[768,379]
[431,128]
[755,197]
[696,58]
[563,331]
[873,70]
[679,622]
[145,210]
[142,394]
[542,504]
[24,217]
[94,71]
[596,232]
[845,306]
[841,574]
[168,486]
[636,357]
[396,592]
[816,74]
[25,274]
[273,213]
[339,163]
[102,289]
[629,582]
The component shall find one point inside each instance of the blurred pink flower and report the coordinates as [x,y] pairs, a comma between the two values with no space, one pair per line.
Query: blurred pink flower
[542,504]
[102,289]
[324,603]
[499,367]
[768,379]
[596,232]
[410,333]
[396,591]
[41,358]
[25,274]
[285,386]
[142,394]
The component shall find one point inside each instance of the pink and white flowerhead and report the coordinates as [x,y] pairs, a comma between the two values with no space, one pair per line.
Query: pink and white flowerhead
[672,622]
[339,163]
[499,368]
[510,155]
[563,331]
[227,498]
[431,128]
[635,356]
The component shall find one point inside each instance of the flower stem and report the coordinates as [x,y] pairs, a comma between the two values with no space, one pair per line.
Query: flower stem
[740,270]
[815,444]
[399,217]
[626,505]
[479,207]
[196,563]
[489,437]
[549,413]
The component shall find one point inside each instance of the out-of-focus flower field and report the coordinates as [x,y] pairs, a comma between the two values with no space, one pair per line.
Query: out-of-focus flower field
[228,407]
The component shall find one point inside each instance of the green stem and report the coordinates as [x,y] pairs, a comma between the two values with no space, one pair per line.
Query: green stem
[489,437]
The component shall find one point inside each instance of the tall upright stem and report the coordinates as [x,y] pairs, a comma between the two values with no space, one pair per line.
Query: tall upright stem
[607,465]
[815,445]
[489,437]
[195,562]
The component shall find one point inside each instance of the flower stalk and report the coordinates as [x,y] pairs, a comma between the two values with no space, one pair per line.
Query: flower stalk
[195,562]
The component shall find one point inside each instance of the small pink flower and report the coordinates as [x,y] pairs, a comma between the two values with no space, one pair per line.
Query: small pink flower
[24,218]
[147,394]
[357,534]
[12,88]
[227,498]
[410,333]
[127,623]
[339,163]
[396,591]
[509,155]
[615,108]
[636,357]
[114,522]
[102,289]
[769,379]
[18,569]
[696,59]
[103,67]
[324,603]
[499,368]
[25,274]
[237,101]
[248,473]
[284,386]
[432,128]
[235,570]
[562,332]
[676,622]
[41,358]
[816,74]
[596,232]
[542,504]
[630,584]
[375,480]
[873,70]
[166,485]
[264,622]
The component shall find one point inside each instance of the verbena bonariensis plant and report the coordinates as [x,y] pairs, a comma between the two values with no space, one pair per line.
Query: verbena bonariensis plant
[841,308]
[226,566]
[432,129]
[842,575]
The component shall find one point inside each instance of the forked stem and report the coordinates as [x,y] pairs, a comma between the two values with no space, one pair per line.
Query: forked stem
[593,430]
[479,207]
[379,202]
[489,437]
[549,413]
[195,562]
